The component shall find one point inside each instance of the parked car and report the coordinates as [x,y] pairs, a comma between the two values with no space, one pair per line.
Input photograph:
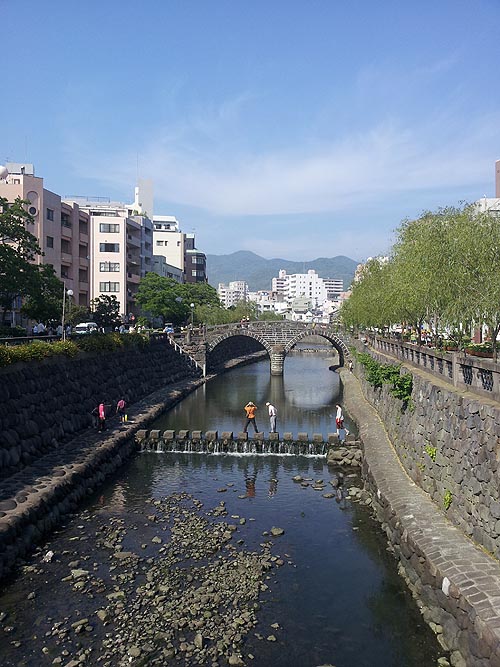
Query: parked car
[86,328]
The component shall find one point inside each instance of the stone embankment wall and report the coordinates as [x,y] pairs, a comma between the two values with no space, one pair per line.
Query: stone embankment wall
[43,405]
[33,500]
[445,443]
[448,442]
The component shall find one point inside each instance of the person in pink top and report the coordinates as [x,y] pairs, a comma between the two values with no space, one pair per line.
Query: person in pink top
[120,410]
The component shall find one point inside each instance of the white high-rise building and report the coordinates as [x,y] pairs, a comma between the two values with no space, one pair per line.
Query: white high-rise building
[307,285]
[233,293]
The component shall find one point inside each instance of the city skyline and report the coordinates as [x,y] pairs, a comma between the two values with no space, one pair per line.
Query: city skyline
[291,131]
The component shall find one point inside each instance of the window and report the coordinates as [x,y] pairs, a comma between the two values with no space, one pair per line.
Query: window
[109,228]
[65,247]
[50,214]
[50,242]
[65,221]
[109,287]
[109,266]
[109,247]
[17,181]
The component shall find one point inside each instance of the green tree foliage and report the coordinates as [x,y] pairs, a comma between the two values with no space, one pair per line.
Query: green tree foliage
[76,314]
[18,250]
[163,297]
[270,316]
[443,270]
[106,311]
[44,302]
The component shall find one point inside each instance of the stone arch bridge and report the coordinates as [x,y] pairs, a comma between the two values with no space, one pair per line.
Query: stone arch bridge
[276,338]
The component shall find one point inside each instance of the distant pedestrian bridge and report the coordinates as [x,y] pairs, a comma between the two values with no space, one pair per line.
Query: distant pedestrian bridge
[212,345]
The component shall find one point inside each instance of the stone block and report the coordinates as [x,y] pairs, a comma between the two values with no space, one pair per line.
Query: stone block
[274,436]
[154,434]
[169,435]
[141,435]
[211,436]
[183,435]
[333,438]
[196,435]
[242,435]
[288,436]
[258,436]
[302,437]
[226,435]
[317,437]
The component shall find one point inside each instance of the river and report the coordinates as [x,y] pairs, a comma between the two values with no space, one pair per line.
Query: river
[329,593]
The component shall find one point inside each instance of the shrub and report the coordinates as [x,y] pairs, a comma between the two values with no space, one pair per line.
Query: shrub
[447,499]
[431,451]
[4,355]
[37,349]
[401,386]
[12,332]
[480,347]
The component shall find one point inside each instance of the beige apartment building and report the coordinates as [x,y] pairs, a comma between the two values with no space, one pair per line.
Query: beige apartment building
[121,252]
[169,241]
[61,228]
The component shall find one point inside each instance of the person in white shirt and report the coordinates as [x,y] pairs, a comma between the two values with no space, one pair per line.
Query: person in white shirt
[272,416]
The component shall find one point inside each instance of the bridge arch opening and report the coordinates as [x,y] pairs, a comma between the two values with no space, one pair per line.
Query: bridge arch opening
[231,347]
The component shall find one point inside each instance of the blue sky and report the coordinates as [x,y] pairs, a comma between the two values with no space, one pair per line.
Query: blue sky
[295,129]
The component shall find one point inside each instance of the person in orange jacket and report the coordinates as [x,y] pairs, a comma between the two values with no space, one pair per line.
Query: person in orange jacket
[250,410]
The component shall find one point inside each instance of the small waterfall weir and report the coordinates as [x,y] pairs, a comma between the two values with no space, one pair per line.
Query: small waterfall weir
[211,443]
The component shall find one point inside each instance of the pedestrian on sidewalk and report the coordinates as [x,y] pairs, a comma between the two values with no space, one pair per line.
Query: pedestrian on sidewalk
[120,410]
[101,412]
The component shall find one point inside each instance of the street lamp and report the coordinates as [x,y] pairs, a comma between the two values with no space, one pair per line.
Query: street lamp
[192,314]
[70,294]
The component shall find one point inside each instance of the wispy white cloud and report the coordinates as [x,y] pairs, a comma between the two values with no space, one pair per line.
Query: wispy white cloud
[361,168]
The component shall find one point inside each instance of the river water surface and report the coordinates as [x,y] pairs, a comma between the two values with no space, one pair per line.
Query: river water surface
[337,598]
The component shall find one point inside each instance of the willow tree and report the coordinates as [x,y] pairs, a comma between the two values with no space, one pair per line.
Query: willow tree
[476,253]
[424,268]
[370,303]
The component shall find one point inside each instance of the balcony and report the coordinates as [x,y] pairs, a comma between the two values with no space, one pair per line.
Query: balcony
[66,258]
[134,241]
[66,232]
[133,278]
[84,238]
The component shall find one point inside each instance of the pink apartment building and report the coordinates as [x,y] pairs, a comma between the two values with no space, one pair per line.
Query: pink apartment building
[62,228]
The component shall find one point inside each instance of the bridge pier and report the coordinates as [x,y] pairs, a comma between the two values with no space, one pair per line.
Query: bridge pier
[277,359]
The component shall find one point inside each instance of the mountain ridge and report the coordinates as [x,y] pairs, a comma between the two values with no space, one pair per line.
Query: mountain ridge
[258,272]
